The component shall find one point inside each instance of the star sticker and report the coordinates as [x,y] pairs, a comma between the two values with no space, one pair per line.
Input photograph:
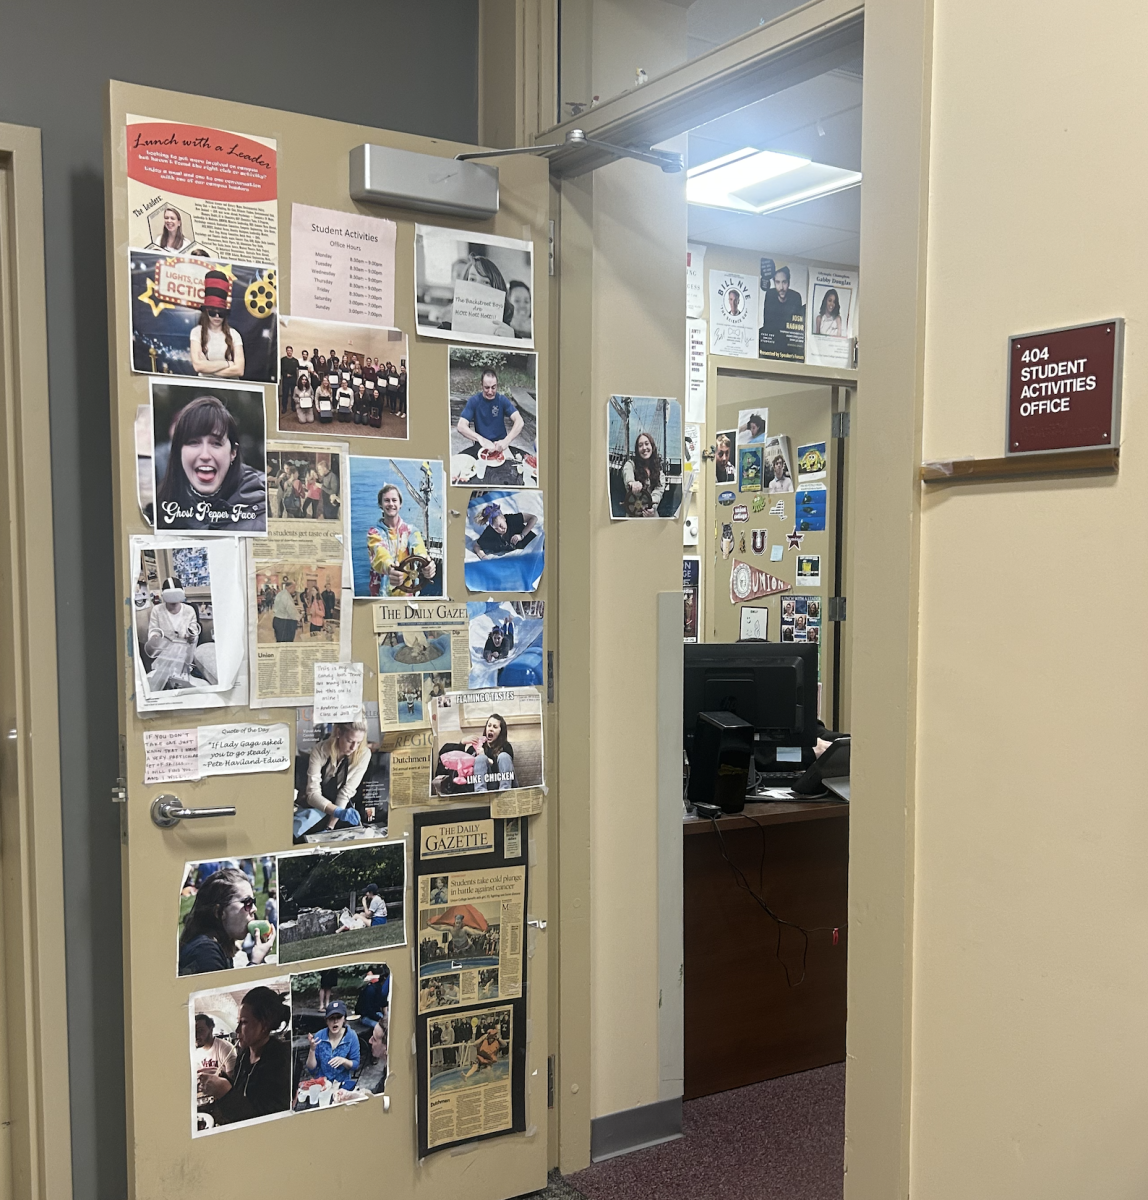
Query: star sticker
[794,539]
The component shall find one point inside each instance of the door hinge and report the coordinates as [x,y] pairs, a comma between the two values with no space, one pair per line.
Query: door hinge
[550,1069]
[840,425]
[120,791]
[551,255]
[549,676]
[836,607]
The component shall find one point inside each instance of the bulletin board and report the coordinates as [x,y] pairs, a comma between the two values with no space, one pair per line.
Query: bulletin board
[753,525]
[368,1142]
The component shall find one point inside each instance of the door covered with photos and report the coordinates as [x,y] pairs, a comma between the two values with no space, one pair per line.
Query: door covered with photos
[331,486]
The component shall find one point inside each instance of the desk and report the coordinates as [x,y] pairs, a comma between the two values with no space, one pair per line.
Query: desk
[743,1023]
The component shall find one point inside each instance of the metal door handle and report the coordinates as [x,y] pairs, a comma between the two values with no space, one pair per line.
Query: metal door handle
[167,811]
[535,923]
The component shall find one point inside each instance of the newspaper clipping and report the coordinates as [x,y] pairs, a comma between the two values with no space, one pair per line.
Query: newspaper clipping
[469,1084]
[410,766]
[299,576]
[470,937]
[424,651]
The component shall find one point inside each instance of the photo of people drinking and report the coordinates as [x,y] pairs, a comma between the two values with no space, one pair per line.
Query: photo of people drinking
[228,915]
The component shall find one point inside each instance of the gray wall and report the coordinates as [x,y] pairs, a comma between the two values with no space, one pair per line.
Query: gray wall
[57,59]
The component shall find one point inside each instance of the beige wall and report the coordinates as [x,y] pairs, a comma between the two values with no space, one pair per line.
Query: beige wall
[639,220]
[1031,931]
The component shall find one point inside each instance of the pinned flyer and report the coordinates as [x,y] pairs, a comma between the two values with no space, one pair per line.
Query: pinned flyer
[747,582]
[338,691]
[171,754]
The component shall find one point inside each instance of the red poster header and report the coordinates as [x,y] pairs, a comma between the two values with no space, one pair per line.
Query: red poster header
[207,164]
[1064,389]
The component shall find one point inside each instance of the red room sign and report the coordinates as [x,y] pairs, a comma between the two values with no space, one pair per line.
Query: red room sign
[1064,389]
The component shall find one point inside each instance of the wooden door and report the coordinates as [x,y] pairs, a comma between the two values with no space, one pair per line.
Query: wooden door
[359,1148]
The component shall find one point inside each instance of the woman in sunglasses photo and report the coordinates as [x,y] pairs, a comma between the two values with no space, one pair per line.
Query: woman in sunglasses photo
[218,923]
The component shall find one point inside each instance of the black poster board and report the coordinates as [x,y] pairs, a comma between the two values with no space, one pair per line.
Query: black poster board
[471,1052]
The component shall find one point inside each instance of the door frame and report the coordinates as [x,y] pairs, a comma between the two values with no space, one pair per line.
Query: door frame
[884,586]
[35,1135]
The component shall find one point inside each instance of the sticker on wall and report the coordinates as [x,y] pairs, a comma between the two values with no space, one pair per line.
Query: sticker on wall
[758,539]
[749,469]
[725,498]
[811,462]
[726,540]
[776,552]
[811,506]
[794,539]
[741,543]
[778,510]
[740,512]
[758,504]
[754,624]
[747,582]
[809,570]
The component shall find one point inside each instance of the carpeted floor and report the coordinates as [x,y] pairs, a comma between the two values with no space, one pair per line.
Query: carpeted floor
[781,1140]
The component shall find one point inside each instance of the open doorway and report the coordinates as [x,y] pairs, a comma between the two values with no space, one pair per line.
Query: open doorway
[765,999]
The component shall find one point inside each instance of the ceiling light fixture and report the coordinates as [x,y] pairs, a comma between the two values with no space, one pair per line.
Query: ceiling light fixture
[763,181]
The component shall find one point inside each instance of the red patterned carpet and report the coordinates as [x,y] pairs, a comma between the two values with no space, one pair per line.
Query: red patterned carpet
[780,1140]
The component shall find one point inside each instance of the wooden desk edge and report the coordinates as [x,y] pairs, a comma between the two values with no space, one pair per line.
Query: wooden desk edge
[773,812]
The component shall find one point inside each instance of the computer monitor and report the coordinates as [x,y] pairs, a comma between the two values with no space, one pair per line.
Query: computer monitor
[772,685]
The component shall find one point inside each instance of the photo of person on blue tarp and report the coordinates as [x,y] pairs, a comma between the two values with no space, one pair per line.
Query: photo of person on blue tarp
[505,643]
[505,541]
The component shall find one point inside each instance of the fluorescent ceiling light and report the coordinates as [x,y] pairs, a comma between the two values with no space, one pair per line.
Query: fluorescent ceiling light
[763,181]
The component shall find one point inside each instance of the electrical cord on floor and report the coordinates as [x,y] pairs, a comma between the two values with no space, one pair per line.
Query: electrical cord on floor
[744,884]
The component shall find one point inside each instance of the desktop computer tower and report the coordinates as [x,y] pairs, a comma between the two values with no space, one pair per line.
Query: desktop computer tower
[719,760]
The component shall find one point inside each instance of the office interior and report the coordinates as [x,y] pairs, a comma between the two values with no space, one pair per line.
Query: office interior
[905,989]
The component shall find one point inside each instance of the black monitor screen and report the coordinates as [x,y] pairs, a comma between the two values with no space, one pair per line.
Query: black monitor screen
[772,685]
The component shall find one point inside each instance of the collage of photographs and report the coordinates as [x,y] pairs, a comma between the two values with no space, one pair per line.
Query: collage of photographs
[284,481]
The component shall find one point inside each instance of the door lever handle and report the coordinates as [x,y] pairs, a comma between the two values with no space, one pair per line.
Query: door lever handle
[168,811]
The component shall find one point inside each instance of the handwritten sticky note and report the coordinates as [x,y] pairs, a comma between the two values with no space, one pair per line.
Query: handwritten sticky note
[338,692]
[170,754]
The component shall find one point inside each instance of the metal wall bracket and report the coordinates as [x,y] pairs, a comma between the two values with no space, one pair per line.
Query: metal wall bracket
[835,607]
